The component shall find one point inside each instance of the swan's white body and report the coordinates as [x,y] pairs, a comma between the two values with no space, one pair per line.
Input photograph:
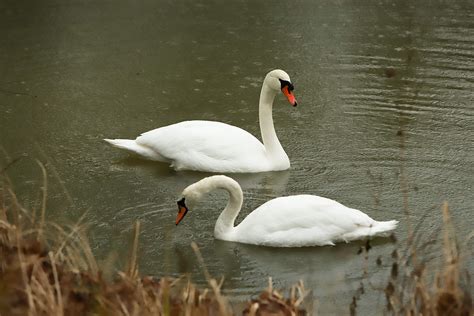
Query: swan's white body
[203,146]
[215,146]
[291,221]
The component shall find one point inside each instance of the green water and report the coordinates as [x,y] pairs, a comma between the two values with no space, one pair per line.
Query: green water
[385,92]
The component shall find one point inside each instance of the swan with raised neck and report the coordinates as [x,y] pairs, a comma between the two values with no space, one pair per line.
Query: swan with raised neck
[218,147]
[291,221]
[274,150]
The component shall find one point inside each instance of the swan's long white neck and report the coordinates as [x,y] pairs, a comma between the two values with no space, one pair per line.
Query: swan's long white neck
[225,222]
[270,140]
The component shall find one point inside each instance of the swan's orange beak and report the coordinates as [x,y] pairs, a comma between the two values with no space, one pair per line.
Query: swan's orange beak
[182,210]
[289,95]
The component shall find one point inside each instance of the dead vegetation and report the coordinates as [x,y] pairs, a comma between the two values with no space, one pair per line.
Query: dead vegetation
[417,284]
[419,287]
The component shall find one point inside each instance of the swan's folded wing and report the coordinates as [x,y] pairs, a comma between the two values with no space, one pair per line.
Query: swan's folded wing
[302,220]
[203,144]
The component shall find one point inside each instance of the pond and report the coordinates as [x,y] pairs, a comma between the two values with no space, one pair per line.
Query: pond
[384,124]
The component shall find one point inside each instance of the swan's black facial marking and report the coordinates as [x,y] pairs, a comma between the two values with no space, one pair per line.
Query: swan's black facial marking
[181,203]
[182,211]
[288,84]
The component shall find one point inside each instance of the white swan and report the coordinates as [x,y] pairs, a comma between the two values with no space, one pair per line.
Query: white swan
[291,221]
[218,147]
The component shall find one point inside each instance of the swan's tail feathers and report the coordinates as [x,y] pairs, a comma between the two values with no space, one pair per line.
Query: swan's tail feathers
[127,144]
[376,229]
[132,146]
[383,228]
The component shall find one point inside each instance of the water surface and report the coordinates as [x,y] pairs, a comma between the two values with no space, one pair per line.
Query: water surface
[385,95]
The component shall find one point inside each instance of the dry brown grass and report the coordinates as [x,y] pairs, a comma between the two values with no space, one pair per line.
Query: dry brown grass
[272,302]
[48,269]
[419,287]
[416,285]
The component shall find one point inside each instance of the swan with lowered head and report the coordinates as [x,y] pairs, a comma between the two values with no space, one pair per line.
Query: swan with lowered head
[291,221]
[218,147]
